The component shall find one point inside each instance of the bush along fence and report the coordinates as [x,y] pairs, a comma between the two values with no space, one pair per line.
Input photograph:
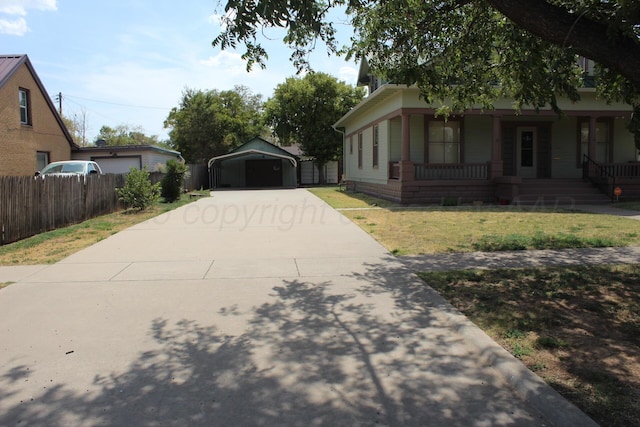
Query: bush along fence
[29,205]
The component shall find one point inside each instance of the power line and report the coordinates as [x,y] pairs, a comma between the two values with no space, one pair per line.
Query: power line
[117,104]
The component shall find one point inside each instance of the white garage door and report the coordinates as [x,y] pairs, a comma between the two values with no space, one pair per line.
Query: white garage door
[118,164]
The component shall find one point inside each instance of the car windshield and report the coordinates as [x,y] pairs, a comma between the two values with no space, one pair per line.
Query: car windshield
[64,168]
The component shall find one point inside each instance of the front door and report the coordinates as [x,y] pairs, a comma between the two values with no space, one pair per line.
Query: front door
[527,152]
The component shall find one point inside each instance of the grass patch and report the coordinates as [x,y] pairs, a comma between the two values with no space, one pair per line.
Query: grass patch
[343,199]
[52,246]
[576,327]
[413,231]
[5,284]
[441,229]
[540,240]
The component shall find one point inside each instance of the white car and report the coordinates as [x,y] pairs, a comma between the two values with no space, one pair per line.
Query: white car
[71,167]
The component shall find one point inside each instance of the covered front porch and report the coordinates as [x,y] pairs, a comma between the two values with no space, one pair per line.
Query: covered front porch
[494,157]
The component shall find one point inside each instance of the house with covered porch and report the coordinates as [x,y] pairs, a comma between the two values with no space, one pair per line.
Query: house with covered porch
[396,148]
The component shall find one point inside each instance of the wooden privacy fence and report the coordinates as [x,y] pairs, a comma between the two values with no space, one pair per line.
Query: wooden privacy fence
[29,205]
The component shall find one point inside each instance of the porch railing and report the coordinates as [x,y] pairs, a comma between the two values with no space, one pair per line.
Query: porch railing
[599,175]
[426,171]
[622,170]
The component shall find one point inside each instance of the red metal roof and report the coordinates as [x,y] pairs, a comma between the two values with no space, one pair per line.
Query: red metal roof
[8,65]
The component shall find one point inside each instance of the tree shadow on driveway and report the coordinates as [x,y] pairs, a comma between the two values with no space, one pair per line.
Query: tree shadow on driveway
[344,351]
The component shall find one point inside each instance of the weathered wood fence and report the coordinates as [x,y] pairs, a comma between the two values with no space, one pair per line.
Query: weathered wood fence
[29,205]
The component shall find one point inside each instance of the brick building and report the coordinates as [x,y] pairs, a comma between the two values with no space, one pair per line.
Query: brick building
[32,133]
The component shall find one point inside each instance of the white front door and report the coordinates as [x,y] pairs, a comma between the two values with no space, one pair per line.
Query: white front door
[527,153]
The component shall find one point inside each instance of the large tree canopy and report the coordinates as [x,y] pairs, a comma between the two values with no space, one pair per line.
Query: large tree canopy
[210,123]
[303,110]
[489,48]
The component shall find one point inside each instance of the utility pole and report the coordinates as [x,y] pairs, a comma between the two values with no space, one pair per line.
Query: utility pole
[60,103]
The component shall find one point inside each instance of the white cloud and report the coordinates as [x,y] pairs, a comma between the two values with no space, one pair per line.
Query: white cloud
[348,74]
[20,7]
[229,62]
[16,27]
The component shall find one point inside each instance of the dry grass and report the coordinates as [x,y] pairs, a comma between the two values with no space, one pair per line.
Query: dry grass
[52,246]
[439,229]
[577,327]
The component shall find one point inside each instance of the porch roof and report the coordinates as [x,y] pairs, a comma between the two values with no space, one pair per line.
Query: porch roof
[291,159]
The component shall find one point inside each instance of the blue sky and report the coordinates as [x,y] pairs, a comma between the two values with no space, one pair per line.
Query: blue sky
[128,62]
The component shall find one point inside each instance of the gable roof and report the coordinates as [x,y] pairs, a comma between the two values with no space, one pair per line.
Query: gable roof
[246,149]
[261,140]
[10,64]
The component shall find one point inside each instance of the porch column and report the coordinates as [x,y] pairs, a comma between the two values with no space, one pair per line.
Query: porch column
[496,147]
[592,148]
[407,172]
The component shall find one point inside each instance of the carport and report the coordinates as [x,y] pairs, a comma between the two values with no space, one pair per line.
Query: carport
[255,164]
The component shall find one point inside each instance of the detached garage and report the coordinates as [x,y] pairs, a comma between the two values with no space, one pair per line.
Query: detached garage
[120,159]
[255,164]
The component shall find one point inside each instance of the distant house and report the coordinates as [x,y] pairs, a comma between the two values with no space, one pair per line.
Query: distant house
[308,173]
[255,164]
[32,133]
[395,148]
[120,159]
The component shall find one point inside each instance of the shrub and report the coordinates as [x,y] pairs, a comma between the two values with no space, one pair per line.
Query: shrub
[172,180]
[138,192]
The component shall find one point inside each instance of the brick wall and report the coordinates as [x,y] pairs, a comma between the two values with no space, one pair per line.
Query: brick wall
[19,143]
[429,192]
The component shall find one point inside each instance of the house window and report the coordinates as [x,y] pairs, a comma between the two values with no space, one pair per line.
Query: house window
[25,116]
[444,141]
[376,141]
[603,141]
[42,160]
[360,151]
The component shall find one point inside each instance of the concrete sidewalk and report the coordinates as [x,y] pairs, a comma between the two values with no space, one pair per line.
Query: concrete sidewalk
[251,308]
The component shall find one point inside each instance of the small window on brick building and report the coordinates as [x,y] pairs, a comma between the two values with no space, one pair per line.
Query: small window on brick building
[42,160]
[25,113]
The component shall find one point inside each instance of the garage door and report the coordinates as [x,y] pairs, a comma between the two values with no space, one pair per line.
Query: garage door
[118,164]
[263,173]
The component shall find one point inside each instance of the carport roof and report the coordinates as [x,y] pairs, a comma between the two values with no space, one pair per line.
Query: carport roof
[293,161]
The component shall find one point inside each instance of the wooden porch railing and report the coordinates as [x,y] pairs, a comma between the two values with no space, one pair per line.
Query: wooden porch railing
[426,171]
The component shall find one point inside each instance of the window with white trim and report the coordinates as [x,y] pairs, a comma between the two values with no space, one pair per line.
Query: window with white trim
[25,116]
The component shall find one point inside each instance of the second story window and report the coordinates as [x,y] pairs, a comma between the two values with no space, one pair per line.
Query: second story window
[25,116]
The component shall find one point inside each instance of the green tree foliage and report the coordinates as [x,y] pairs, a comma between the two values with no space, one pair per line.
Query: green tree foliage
[463,52]
[172,180]
[210,123]
[138,192]
[126,135]
[303,110]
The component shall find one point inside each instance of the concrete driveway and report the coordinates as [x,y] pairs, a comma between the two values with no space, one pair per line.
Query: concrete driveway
[251,308]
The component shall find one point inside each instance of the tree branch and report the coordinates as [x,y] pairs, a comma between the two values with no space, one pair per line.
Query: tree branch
[580,33]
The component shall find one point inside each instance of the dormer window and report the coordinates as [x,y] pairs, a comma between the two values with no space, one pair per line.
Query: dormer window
[25,116]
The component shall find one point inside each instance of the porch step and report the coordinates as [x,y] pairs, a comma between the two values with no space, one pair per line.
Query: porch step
[559,192]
